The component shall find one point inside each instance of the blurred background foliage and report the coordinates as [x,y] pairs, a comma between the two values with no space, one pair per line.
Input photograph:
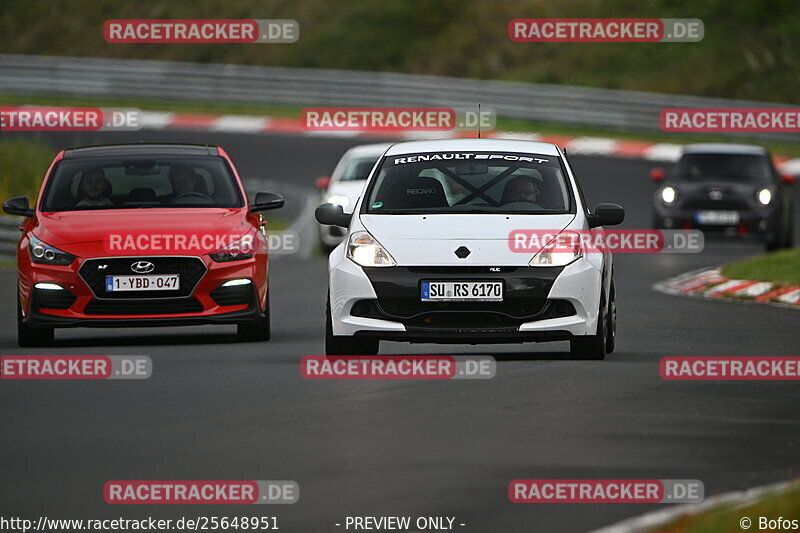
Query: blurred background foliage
[751,47]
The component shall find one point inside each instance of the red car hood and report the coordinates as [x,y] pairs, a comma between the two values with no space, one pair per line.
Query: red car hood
[88,233]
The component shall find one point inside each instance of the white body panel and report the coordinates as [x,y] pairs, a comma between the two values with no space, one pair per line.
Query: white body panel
[430,240]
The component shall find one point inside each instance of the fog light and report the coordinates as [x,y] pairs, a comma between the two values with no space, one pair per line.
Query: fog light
[235,282]
[48,287]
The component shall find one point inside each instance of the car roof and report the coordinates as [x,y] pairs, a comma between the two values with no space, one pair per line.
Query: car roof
[490,145]
[365,150]
[161,149]
[723,148]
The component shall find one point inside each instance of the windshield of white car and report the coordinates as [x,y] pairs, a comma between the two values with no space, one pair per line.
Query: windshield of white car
[470,182]
[716,167]
[141,182]
[358,168]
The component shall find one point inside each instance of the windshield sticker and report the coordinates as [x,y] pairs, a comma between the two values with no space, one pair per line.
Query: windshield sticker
[466,156]
[377,205]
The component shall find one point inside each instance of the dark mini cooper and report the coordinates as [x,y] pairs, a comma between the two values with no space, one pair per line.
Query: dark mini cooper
[728,190]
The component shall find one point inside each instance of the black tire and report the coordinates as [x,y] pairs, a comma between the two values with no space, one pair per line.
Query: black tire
[30,337]
[657,223]
[592,347]
[260,331]
[788,232]
[773,242]
[342,345]
[611,327]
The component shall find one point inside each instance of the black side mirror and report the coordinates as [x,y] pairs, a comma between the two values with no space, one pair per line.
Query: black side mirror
[18,206]
[606,215]
[332,215]
[267,200]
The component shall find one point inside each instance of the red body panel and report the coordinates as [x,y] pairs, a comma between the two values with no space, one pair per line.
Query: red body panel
[84,234]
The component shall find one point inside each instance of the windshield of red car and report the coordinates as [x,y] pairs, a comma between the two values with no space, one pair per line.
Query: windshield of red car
[139,182]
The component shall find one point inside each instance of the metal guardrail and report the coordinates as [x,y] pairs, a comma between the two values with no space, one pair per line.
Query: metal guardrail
[9,237]
[168,80]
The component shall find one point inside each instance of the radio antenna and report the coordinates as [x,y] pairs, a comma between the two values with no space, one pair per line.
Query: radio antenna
[479,120]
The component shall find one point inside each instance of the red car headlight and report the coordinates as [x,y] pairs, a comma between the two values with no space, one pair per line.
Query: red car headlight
[242,248]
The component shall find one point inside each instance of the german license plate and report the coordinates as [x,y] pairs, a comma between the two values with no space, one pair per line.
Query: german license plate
[722,218]
[155,282]
[462,291]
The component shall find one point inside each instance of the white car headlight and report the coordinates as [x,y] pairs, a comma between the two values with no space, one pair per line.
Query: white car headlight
[764,196]
[668,195]
[339,199]
[562,250]
[364,250]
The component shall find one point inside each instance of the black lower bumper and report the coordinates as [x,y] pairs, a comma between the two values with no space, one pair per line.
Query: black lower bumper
[469,336]
[525,299]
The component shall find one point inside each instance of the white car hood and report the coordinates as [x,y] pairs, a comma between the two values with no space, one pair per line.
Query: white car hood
[432,239]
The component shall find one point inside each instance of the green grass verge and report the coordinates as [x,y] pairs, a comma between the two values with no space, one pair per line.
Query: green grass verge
[784,504]
[503,123]
[23,163]
[781,267]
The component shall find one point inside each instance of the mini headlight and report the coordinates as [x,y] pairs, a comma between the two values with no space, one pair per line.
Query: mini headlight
[562,250]
[668,195]
[44,254]
[363,249]
[764,196]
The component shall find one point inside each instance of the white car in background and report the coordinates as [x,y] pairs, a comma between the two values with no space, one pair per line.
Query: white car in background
[344,186]
[426,256]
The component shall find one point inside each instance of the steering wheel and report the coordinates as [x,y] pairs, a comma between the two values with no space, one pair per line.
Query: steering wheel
[191,194]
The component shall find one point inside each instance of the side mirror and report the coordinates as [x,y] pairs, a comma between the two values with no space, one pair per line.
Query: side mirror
[788,179]
[18,206]
[657,174]
[322,182]
[332,215]
[606,215]
[267,200]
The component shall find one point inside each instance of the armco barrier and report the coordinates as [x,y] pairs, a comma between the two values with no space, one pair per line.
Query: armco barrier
[168,80]
[9,237]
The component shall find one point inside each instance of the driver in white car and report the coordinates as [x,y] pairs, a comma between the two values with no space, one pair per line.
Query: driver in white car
[523,188]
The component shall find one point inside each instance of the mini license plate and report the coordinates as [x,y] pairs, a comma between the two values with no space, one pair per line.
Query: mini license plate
[722,218]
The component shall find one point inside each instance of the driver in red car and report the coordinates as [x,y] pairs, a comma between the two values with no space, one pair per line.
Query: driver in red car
[182,178]
[94,188]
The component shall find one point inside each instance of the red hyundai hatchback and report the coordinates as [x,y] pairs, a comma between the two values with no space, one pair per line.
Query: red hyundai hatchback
[142,235]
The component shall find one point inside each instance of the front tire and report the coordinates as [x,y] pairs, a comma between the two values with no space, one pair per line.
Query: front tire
[29,337]
[592,347]
[611,327]
[260,331]
[343,345]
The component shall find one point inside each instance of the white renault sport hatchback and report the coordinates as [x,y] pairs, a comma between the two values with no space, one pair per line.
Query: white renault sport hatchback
[428,255]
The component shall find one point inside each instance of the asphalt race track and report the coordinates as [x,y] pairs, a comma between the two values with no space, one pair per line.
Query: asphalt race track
[218,409]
